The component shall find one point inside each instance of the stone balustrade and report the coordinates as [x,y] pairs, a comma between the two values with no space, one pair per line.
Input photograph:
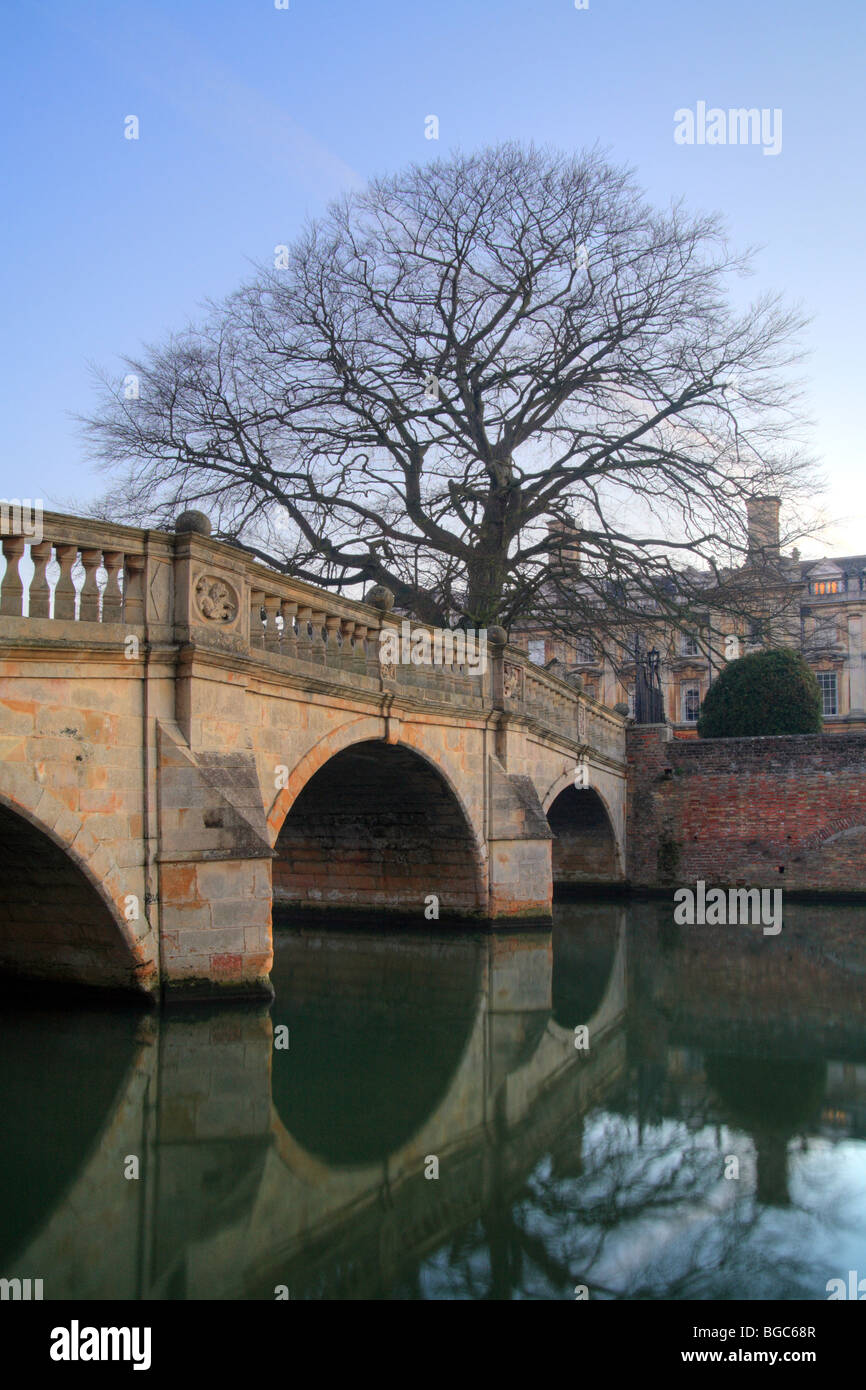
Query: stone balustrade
[81,571]
[303,624]
[297,622]
[556,705]
[186,588]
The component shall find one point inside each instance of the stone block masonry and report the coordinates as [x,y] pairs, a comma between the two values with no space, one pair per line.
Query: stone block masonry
[376,828]
[786,812]
[186,736]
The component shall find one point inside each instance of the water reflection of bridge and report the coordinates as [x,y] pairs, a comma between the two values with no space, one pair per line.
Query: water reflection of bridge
[306,1167]
[254,1175]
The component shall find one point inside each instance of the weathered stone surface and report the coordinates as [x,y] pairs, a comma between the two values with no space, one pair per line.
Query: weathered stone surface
[223,714]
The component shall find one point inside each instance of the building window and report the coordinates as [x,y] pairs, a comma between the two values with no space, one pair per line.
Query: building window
[689,644]
[691,697]
[823,587]
[585,651]
[630,697]
[829,698]
[536,651]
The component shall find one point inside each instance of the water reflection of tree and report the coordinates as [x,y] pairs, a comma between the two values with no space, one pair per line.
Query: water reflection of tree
[596,1229]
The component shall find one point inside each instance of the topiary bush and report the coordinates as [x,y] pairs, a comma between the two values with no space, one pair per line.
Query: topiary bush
[771,692]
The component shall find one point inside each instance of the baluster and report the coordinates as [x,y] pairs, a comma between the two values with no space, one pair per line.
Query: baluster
[333,654]
[372,644]
[395,635]
[64,590]
[359,650]
[88,608]
[404,658]
[133,590]
[112,598]
[290,641]
[12,600]
[257,631]
[347,654]
[319,651]
[305,642]
[40,591]
[272,632]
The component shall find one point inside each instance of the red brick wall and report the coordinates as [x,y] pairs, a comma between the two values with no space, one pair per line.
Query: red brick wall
[376,827]
[761,812]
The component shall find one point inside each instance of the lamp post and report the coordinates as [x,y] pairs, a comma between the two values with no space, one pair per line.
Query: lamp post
[648,696]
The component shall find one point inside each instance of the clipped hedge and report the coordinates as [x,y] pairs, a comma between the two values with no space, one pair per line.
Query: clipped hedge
[771,692]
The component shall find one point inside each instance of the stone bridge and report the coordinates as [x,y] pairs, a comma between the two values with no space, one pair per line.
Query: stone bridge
[189,738]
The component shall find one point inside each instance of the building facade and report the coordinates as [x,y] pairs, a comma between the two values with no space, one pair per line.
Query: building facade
[816,606]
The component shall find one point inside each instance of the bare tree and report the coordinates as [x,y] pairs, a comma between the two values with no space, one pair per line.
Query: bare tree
[454,358]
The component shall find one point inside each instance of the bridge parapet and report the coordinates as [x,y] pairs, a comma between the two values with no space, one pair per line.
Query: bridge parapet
[305,624]
[190,589]
[557,706]
[81,570]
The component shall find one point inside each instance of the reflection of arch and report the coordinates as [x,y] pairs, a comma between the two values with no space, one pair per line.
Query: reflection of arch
[583,960]
[360,1008]
[59,917]
[611,1006]
[771,1093]
[585,848]
[53,1125]
[376,826]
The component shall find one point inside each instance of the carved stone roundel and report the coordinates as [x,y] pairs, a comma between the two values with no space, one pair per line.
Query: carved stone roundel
[217,600]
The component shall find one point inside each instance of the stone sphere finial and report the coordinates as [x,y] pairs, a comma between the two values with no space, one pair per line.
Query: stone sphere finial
[497,635]
[198,522]
[380,598]
[621,708]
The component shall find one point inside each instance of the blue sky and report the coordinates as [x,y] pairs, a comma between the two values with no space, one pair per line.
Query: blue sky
[251,118]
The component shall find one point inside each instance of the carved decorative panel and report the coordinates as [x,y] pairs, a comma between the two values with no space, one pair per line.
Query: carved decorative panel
[216,600]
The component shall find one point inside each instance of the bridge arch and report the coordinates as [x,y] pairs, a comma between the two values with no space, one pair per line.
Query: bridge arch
[59,916]
[369,824]
[587,847]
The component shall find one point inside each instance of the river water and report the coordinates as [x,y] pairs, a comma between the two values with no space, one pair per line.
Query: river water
[618,1108]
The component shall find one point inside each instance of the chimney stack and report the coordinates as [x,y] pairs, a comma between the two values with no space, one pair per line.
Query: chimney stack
[566,538]
[763,527]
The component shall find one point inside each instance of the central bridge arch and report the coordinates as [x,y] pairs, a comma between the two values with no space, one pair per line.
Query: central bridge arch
[378,826]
